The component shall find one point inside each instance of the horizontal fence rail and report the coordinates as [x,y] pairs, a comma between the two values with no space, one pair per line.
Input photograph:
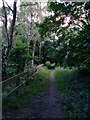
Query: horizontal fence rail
[13,90]
[15,79]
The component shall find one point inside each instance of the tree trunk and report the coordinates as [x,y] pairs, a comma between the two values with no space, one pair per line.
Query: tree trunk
[30,31]
[40,52]
[8,35]
[33,54]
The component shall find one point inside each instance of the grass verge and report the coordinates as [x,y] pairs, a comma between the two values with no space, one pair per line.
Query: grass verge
[26,93]
[62,77]
[75,89]
[44,74]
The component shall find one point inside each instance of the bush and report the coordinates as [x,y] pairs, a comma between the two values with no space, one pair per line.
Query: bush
[52,66]
[47,64]
[19,55]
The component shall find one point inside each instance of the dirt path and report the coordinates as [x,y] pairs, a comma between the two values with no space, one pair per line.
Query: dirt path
[43,106]
[53,102]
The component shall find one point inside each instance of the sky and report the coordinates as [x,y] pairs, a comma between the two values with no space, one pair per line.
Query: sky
[10,2]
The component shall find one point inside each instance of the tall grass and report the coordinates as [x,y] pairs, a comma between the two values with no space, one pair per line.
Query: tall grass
[62,77]
[44,73]
[26,93]
[76,92]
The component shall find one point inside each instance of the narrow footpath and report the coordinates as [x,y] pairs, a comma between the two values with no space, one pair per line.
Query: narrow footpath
[43,106]
[53,101]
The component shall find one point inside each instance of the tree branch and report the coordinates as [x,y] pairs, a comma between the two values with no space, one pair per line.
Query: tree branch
[9,6]
[19,23]
[5,21]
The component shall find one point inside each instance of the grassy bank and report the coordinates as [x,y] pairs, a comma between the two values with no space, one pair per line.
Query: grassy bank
[75,88]
[62,77]
[26,93]
[44,75]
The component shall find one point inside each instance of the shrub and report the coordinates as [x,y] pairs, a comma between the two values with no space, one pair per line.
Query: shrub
[19,55]
[52,66]
[47,64]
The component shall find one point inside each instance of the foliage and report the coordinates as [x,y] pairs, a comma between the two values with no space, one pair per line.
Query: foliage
[75,91]
[79,50]
[44,73]
[72,46]
[18,56]
[63,39]
[48,51]
[26,93]
[39,82]
[62,77]
[52,66]
[47,64]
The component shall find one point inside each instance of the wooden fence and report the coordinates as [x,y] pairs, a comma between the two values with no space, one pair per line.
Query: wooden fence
[16,82]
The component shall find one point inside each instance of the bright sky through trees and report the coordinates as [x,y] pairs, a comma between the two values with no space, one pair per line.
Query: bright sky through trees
[10,2]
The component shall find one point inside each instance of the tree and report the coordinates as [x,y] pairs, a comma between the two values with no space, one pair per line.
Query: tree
[7,34]
[19,55]
[32,13]
[69,22]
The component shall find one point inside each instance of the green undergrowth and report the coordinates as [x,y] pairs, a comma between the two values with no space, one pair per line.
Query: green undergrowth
[75,89]
[62,77]
[27,92]
[44,74]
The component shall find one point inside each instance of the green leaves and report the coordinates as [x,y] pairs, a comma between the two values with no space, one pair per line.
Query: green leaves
[73,44]
[19,54]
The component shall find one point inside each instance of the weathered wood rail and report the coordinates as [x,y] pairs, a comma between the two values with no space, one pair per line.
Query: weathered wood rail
[17,82]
